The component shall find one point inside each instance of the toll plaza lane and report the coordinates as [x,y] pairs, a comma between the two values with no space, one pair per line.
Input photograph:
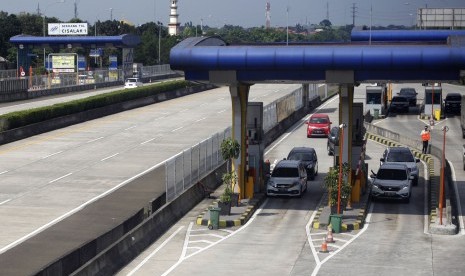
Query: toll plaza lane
[48,177]
[279,240]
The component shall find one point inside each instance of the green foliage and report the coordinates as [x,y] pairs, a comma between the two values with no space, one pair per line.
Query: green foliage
[230,149]
[26,117]
[331,183]
[228,179]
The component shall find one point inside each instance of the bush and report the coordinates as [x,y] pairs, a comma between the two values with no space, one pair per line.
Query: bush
[26,117]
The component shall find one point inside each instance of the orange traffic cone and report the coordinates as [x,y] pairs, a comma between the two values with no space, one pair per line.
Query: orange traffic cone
[324,247]
[329,236]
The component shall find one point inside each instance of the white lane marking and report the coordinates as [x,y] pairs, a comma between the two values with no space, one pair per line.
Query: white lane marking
[203,104]
[154,252]
[5,201]
[459,205]
[75,210]
[111,156]
[50,155]
[59,178]
[201,241]
[201,119]
[209,235]
[130,128]
[96,139]
[315,254]
[184,110]
[149,140]
[181,259]
[221,111]
[176,129]
[4,172]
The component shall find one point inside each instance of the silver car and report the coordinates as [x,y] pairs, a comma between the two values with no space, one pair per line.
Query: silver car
[402,155]
[289,178]
[392,181]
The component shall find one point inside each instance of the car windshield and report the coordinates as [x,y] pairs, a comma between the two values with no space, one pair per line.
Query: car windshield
[285,172]
[391,174]
[131,80]
[318,120]
[301,156]
[400,157]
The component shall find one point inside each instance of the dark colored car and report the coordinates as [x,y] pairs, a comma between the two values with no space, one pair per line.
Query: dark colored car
[410,94]
[402,155]
[308,157]
[399,104]
[333,140]
[318,125]
[453,103]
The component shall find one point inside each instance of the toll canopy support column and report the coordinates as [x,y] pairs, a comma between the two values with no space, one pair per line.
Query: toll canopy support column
[239,98]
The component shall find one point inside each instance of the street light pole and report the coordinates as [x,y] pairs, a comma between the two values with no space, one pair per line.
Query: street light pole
[287,23]
[339,183]
[442,186]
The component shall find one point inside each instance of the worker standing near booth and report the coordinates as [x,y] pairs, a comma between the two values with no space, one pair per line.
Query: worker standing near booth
[425,137]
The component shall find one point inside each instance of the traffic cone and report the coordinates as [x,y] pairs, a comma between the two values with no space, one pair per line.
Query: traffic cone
[329,236]
[324,247]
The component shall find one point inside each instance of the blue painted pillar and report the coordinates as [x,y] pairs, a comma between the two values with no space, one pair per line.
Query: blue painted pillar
[239,98]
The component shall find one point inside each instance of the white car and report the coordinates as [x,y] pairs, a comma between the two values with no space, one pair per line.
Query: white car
[132,83]
[289,178]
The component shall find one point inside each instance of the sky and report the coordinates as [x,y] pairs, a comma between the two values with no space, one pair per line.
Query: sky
[245,13]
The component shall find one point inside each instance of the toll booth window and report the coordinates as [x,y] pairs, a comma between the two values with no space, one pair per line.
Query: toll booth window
[436,97]
[373,98]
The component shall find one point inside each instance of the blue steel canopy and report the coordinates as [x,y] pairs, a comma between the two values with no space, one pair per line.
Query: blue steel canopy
[405,35]
[198,57]
[125,40]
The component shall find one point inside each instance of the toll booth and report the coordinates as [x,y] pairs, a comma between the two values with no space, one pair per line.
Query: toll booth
[255,149]
[432,104]
[376,100]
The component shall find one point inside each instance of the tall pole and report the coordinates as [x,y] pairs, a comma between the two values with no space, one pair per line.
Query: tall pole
[442,186]
[339,183]
[287,23]
[43,23]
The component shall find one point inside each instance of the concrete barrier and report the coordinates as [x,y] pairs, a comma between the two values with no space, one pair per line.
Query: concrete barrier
[64,121]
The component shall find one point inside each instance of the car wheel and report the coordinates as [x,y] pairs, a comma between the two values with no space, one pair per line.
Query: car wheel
[407,200]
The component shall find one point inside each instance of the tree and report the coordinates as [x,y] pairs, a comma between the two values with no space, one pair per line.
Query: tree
[326,24]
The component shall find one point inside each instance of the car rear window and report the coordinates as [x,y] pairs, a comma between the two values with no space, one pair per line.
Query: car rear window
[407,91]
[285,172]
[400,157]
[318,120]
[399,99]
[391,174]
[301,156]
[454,98]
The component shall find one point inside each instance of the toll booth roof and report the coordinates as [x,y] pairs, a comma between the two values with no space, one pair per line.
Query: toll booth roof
[121,41]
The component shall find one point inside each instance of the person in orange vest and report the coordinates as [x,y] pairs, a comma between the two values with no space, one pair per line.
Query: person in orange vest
[425,137]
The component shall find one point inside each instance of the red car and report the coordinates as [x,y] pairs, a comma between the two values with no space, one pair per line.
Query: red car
[318,125]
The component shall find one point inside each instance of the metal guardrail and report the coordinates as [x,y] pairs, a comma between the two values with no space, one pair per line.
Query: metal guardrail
[61,80]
